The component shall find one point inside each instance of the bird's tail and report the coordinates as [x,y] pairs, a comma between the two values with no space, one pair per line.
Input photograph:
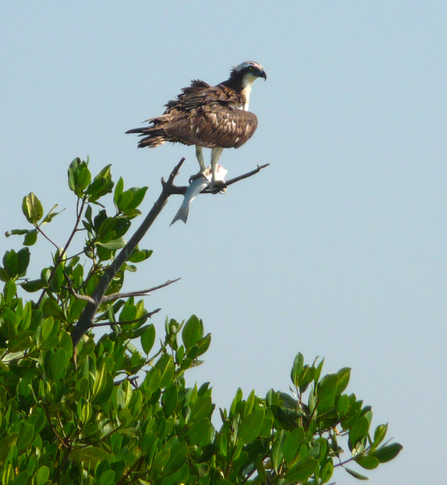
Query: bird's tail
[153,136]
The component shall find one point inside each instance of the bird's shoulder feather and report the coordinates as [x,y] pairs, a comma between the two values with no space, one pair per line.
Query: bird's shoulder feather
[200,93]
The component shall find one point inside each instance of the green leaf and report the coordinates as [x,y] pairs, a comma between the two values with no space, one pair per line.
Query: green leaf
[101,185]
[119,187]
[251,426]
[8,327]
[114,244]
[379,435]
[15,264]
[105,393]
[356,474]
[170,398]
[358,430]
[66,343]
[58,364]
[278,449]
[138,197]
[160,460]
[326,391]
[200,433]
[47,328]
[34,285]
[292,445]
[326,472]
[32,208]
[79,176]
[297,368]
[177,456]
[26,435]
[30,237]
[148,339]
[138,256]
[343,405]
[100,380]
[301,471]
[51,215]
[10,290]
[166,367]
[203,344]
[387,452]
[343,379]
[6,443]
[22,478]
[192,332]
[367,461]
[107,477]
[42,475]
[201,408]
[90,454]
[22,341]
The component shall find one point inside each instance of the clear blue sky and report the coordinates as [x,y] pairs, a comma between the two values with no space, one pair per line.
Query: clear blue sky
[338,249]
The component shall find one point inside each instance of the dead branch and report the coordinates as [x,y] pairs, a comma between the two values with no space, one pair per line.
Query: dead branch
[117,296]
[98,296]
[181,190]
[86,319]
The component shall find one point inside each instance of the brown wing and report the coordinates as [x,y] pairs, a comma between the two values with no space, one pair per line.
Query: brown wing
[204,115]
[200,93]
[220,126]
[212,126]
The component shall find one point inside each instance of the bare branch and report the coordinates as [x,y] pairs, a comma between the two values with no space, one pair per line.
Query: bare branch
[117,296]
[168,188]
[144,317]
[246,175]
[181,190]
[86,319]
[77,295]
[63,252]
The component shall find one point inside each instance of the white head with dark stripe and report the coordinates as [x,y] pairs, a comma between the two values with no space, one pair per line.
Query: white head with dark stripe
[243,76]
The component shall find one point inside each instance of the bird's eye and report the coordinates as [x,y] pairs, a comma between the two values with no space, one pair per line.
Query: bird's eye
[250,68]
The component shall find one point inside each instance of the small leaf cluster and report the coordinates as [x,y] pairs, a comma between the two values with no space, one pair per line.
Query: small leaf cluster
[287,439]
[104,236]
[116,409]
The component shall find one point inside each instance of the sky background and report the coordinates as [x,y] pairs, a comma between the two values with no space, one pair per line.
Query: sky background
[337,250]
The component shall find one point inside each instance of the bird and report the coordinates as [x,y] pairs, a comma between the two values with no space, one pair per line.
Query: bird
[206,116]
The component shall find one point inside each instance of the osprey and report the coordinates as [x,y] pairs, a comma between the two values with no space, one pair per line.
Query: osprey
[215,117]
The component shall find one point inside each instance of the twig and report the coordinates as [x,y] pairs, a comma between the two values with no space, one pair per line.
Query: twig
[64,251]
[127,322]
[131,379]
[117,296]
[181,190]
[246,175]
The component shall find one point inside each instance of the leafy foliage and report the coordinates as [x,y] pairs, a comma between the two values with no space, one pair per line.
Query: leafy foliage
[77,415]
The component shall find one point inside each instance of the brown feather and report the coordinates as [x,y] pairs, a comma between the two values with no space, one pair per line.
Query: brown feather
[204,115]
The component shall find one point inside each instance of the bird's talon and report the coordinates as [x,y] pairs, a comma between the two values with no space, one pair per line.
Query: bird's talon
[218,187]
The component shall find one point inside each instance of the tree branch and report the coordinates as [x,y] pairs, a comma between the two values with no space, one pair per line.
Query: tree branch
[128,322]
[117,296]
[97,298]
[181,190]
[86,319]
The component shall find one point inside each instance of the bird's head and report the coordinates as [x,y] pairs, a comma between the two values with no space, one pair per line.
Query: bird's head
[248,71]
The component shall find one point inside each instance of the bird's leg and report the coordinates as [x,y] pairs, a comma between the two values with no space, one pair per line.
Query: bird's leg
[215,155]
[201,160]
[199,155]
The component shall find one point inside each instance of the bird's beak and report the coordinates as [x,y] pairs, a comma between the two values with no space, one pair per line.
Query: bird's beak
[264,75]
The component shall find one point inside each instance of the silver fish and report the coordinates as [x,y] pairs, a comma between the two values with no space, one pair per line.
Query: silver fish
[194,189]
